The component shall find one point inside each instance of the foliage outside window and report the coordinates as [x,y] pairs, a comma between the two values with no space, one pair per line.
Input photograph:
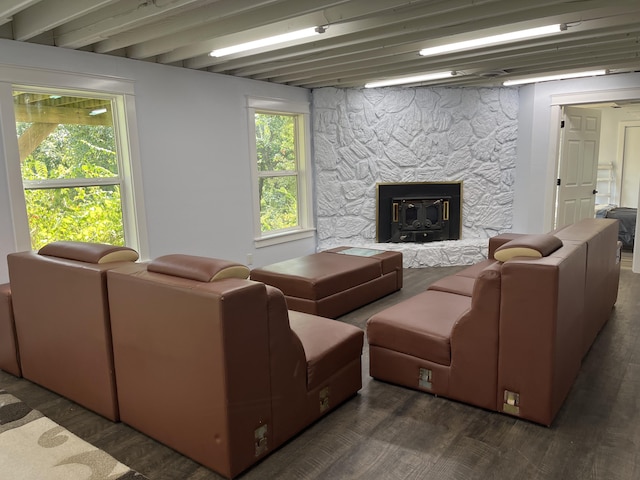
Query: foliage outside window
[279,132]
[70,168]
[277,171]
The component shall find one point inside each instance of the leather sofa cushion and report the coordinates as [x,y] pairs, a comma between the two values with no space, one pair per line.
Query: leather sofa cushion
[328,345]
[454,284]
[462,282]
[89,252]
[536,246]
[319,275]
[201,269]
[420,326]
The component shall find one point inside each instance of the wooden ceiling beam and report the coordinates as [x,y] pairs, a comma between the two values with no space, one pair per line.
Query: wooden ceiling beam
[400,36]
[124,16]
[44,16]
[173,25]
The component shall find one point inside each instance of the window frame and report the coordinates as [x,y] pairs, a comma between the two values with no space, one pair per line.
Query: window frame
[120,92]
[301,112]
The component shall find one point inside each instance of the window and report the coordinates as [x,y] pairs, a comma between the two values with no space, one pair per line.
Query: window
[69,165]
[74,163]
[280,153]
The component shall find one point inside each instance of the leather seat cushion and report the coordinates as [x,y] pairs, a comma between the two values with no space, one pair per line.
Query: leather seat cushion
[328,345]
[420,326]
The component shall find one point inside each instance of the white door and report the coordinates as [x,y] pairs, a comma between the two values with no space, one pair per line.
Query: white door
[578,168]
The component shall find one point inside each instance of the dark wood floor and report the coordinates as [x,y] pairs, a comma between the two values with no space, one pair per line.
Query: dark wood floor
[388,432]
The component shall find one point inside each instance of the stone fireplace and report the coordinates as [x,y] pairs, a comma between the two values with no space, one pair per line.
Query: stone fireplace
[364,138]
[418,212]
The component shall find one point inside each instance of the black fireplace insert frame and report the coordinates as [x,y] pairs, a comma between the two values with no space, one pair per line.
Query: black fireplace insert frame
[386,192]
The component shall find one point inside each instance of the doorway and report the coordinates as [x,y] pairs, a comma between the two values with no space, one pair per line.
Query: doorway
[618,165]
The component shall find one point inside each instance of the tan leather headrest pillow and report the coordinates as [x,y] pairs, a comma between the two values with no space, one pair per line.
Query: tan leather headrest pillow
[202,269]
[89,252]
[536,246]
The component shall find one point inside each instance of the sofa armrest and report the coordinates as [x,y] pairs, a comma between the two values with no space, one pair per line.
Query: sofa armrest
[474,343]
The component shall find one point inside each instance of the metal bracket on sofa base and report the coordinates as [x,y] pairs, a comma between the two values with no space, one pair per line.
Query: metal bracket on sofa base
[511,403]
[424,379]
[324,399]
[261,440]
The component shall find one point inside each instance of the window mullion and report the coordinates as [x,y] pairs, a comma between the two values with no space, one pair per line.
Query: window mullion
[70,183]
[279,173]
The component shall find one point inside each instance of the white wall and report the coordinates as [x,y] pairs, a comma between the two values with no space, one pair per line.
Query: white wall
[193,137]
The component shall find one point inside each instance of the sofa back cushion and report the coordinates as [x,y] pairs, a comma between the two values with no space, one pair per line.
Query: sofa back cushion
[89,252]
[201,269]
[536,246]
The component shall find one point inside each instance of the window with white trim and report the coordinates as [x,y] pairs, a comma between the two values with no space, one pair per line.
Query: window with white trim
[280,154]
[74,163]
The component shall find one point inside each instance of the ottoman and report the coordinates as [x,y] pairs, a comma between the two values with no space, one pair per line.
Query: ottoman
[336,281]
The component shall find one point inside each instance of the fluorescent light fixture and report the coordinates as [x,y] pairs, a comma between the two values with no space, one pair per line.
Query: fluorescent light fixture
[265,42]
[413,79]
[98,111]
[548,78]
[493,40]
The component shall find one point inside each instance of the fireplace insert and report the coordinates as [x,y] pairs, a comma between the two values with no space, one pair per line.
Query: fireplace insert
[423,219]
[419,211]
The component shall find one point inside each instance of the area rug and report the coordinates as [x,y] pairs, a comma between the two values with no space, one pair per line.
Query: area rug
[33,447]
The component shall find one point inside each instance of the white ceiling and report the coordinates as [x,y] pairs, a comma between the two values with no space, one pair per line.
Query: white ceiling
[366,40]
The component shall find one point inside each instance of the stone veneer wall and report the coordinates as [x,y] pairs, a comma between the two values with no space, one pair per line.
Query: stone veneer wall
[367,136]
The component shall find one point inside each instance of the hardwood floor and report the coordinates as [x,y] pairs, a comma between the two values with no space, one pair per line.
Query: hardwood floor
[389,432]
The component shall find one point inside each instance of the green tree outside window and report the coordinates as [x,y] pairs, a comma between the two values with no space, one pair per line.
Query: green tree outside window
[277,170]
[69,166]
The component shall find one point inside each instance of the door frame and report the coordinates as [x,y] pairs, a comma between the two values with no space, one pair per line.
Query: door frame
[580,98]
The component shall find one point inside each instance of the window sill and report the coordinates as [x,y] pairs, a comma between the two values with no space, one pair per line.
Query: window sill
[284,237]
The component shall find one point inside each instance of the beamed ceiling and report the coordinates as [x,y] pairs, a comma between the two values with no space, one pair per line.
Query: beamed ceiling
[365,40]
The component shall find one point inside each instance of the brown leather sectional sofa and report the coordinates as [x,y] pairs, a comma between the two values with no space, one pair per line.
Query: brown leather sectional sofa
[190,352]
[507,334]
[183,348]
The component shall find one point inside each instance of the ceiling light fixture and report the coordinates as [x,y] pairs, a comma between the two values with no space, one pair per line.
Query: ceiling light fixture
[548,78]
[265,42]
[494,39]
[413,79]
